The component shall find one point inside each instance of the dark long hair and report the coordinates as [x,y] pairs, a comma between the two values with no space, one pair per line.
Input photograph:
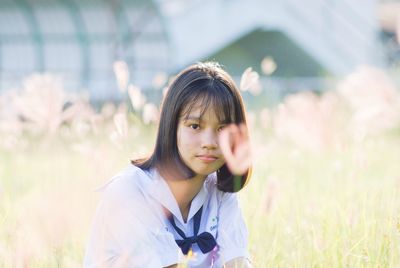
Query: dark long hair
[208,84]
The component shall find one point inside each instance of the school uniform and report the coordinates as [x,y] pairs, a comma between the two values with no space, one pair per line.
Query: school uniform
[138,224]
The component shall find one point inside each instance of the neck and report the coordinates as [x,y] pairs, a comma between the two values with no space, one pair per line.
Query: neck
[184,191]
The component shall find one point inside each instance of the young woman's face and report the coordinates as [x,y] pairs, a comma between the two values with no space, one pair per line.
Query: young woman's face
[197,139]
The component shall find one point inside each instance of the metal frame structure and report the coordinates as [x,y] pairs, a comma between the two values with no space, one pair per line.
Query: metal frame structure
[60,36]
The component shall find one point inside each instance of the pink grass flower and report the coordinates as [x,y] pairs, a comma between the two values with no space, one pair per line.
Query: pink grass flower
[136,97]
[121,125]
[159,80]
[121,71]
[373,100]
[250,81]
[272,189]
[268,65]
[150,113]
[306,120]
[265,118]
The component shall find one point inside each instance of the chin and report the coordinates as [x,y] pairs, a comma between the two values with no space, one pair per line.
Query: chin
[203,172]
[205,169]
[206,172]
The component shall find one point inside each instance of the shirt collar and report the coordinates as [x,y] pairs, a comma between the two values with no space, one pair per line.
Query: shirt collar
[160,190]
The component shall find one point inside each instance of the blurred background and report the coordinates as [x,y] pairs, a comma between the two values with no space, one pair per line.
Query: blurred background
[311,42]
[80,88]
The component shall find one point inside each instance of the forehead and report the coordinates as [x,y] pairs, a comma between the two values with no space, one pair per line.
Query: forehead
[201,113]
[207,109]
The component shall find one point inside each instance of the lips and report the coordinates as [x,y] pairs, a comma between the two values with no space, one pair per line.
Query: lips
[207,158]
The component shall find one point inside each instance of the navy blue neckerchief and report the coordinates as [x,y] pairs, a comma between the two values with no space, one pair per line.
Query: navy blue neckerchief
[205,240]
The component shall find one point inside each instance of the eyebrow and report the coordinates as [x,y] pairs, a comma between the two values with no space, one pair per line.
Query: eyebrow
[186,118]
[198,118]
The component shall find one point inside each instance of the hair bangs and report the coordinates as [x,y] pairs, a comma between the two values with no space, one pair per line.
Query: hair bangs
[213,96]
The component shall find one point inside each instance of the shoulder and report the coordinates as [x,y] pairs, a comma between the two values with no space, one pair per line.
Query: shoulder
[130,183]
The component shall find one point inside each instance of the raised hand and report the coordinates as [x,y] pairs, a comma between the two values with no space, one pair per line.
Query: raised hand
[235,146]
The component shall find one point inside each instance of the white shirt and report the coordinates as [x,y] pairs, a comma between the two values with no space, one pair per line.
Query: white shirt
[130,228]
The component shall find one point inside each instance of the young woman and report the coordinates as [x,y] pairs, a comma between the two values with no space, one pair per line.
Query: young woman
[178,206]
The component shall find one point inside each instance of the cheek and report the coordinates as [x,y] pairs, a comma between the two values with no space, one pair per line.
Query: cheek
[185,140]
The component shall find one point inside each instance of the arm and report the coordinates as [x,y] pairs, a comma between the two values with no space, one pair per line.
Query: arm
[123,232]
[238,263]
[232,232]
[118,237]
[235,145]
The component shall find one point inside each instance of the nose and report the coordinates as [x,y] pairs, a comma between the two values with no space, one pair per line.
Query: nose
[209,140]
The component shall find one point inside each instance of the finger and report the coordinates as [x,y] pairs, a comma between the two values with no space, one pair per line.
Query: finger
[235,146]
[240,135]
[227,133]
[243,130]
[234,133]
[225,143]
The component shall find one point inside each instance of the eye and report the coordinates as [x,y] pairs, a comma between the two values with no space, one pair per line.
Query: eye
[194,126]
[220,128]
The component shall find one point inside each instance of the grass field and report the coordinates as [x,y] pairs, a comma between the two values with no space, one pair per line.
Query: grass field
[339,208]
[321,195]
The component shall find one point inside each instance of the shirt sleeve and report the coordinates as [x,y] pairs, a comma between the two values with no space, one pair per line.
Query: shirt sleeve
[232,232]
[123,232]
